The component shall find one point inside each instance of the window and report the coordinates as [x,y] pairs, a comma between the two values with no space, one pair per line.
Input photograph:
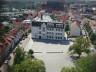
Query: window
[43,29]
[43,34]
[58,33]
[50,25]
[56,37]
[48,28]
[47,36]
[61,29]
[47,32]
[59,25]
[39,27]
[40,32]
[58,29]
[52,29]
[60,37]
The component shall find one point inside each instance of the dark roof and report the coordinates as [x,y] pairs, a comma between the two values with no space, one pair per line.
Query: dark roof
[35,23]
[48,24]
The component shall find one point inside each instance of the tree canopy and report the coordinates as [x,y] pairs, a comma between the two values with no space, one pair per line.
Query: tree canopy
[66,69]
[80,46]
[84,64]
[29,65]
[19,55]
[26,62]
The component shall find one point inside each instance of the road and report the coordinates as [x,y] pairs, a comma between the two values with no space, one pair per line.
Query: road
[54,53]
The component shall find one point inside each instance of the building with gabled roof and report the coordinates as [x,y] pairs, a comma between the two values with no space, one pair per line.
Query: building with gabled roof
[75,29]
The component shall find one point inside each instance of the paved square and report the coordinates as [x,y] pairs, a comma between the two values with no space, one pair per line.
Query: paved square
[54,53]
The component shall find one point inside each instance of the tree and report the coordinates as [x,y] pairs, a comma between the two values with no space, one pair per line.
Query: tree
[93,38]
[19,55]
[80,46]
[26,63]
[67,27]
[29,65]
[86,64]
[30,53]
[66,69]
[3,30]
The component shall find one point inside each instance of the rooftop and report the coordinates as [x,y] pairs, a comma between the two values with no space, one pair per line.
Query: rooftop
[43,18]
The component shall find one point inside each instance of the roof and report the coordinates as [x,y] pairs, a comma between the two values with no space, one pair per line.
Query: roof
[8,38]
[26,25]
[13,31]
[63,18]
[27,21]
[48,24]
[76,22]
[45,18]
[93,21]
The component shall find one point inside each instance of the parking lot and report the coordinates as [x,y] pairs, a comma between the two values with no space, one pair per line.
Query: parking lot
[54,53]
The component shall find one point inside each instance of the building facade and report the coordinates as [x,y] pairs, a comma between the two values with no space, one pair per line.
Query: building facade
[48,30]
[75,29]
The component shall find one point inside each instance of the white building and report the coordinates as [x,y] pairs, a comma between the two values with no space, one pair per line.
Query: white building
[75,29]
[93,25]
[46,28]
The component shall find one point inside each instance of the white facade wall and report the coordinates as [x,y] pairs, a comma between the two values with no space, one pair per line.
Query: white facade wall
[75,30]
[94,29]
[47,33]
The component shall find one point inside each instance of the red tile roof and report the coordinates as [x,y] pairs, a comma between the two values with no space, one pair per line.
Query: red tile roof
[8,38]
[5,42]
[76,22]
[94,25]
[13,31]
[63,18]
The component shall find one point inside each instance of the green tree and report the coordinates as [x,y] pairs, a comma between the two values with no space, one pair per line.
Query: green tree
[3,30]
[19,55]
[93,38]
[29,65]
[86,64]
[66,69]
[80,46]
[30,53]
[67,27]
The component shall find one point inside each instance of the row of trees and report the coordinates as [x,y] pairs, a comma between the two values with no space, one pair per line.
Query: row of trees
[91,34]
[26,62]
[85,63]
